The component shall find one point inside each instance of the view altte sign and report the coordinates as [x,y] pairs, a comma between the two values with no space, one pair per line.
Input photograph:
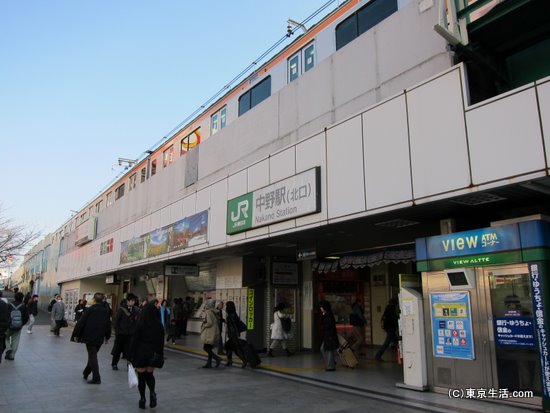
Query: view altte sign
[289,198]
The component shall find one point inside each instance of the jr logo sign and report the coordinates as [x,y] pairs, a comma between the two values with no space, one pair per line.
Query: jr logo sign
[239,213]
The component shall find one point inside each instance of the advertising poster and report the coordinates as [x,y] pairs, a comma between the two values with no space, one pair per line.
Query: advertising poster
[158,242]
[452,325]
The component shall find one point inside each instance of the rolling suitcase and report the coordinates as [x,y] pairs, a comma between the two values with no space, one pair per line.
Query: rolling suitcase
[250,354]
[347,358]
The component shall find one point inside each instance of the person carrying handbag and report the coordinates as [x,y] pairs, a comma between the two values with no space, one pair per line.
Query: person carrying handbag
[210,334]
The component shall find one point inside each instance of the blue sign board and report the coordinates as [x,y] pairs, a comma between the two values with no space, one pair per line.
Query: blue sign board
[479,241]
[540,326]
[452,325]
[514,331]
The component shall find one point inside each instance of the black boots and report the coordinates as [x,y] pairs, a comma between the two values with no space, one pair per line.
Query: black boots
[153,401]
[142,403]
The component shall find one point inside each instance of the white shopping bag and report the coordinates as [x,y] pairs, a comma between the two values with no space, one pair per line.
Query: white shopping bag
[132,376]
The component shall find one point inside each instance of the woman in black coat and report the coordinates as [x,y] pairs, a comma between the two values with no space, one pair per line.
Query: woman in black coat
[232,322]
[330,335]
[147,351]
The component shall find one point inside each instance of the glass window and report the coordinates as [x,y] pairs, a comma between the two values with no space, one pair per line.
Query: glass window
[223,117]
[309,57]
[109,199]
[373,13]
[190,141]
[214,123]
[119,192]
[260,92]
[346,31]
[167,156]
[294,67]
[143,174]
[98,207]
[153,167]
[244,103]
[132,182]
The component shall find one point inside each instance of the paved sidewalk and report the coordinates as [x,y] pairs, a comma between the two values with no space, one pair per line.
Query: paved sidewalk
[46,376]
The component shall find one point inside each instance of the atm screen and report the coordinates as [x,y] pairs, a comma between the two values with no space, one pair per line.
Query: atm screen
[457,278]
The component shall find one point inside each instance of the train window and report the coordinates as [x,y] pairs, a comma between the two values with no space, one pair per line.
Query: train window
[301,62]
[363,19]
[294,67]
[168,156]
[143,174]
[132,182]
[109,199]
[190,141]
[372,14]
[218,120]
[309,57]
[255,95]
[153,167]
[119,192]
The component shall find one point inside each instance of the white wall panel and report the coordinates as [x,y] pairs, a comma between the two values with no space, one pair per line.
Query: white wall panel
[437,136]
[282,165]
[165,218]
[203,200]
[511,126]
[544,102]
[258,175]
[386,147]
[155,221]
[217,220]
[311,153]
[176,211]
[346,187]
[189,205]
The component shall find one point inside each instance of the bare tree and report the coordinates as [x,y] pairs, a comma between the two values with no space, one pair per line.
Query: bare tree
[13,239]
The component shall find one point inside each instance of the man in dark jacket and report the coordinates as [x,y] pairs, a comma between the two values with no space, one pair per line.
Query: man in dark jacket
[32,308]
[389,320]
[125,325]
[4,322]
[14,332]
[93,328]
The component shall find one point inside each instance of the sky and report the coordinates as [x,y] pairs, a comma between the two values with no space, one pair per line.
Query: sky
[83,83]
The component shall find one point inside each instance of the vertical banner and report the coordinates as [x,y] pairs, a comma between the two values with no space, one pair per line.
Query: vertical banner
[539,293]
[250,310]
[452,325]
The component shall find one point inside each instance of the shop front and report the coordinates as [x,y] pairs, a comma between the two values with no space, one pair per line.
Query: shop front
[485,319]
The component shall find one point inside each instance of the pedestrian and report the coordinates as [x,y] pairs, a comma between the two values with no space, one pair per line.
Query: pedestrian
[172,331]
[187,307]
[232,322]
[32,308]
[27,298]
[125,325]
[50,307]
[221,321]
[278,334]
[4,323]
[79,309]
[389,322]
[210,333]
[18,317]
[329,335]
[178,315]
[93,329]
[58,315]
[164,314]
[147,352]
[358,322]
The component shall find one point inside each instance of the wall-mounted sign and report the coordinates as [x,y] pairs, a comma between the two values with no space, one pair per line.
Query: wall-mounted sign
[111,279]
[306,254]
[185,270]
[541,331]
[190,231]
[250,309]
[452,325]
[285,273]
[514,331]
[290,198]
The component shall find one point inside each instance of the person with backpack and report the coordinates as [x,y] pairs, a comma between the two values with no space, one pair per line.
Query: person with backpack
[280,330]
[18,317]
[389,320]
